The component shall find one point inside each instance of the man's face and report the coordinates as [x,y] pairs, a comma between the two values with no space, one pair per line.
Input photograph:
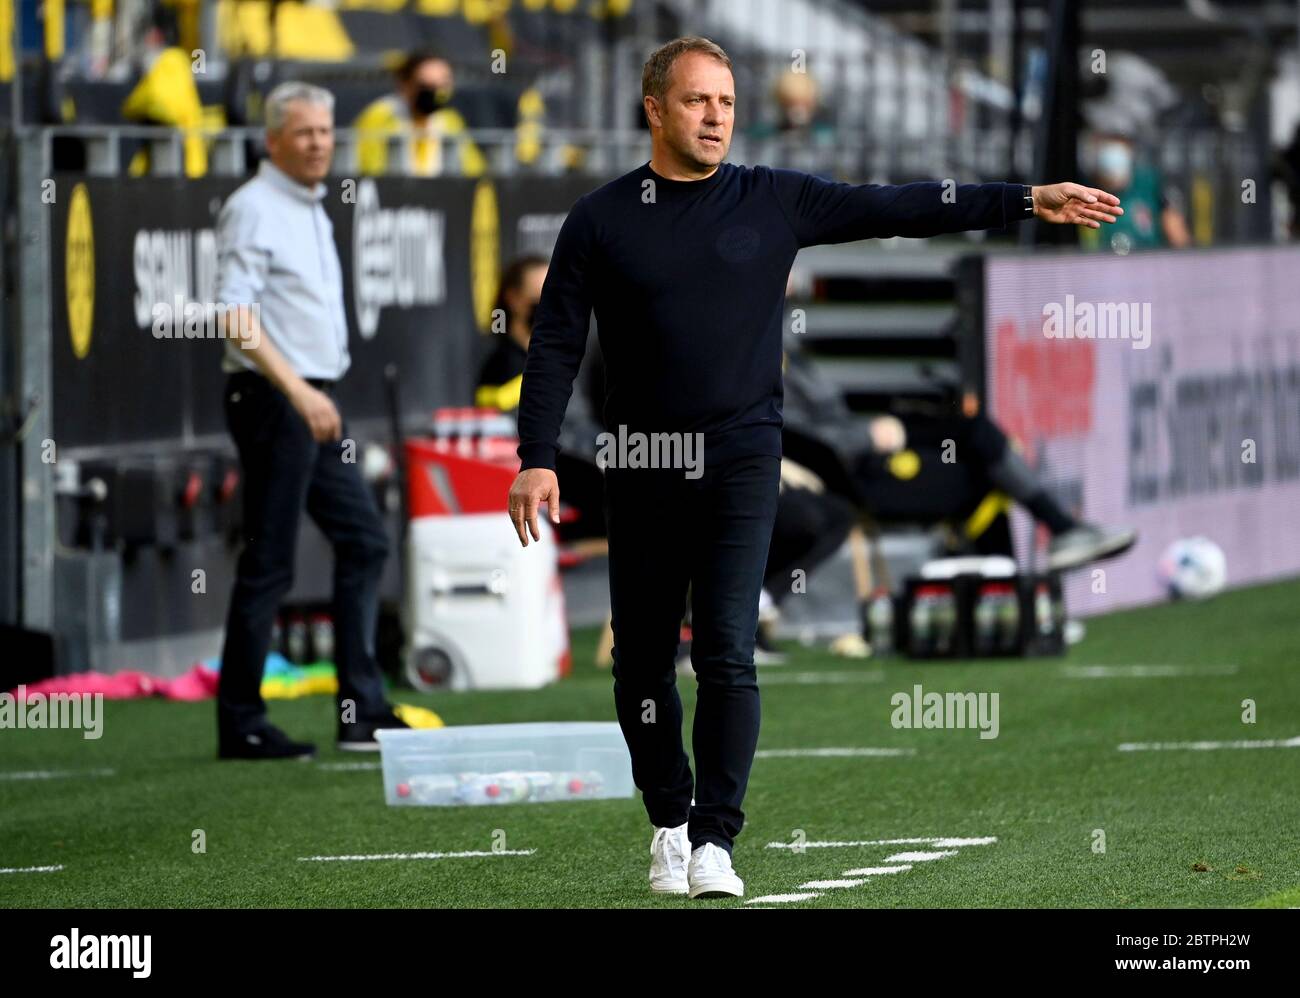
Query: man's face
[304,145]
[698,111]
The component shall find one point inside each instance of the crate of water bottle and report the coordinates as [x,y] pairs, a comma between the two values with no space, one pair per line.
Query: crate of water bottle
[472,765]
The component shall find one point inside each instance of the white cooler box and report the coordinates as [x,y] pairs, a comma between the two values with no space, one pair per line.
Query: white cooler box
[482,611]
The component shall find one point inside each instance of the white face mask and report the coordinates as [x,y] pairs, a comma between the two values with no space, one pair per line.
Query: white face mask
[1115,160]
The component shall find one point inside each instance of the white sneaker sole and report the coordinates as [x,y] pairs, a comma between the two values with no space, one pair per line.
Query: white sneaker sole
[734,888]
[1076,557]
[680,888]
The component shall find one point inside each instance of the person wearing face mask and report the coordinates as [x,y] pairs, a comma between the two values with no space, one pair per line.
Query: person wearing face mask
[1151,219]
[419,110]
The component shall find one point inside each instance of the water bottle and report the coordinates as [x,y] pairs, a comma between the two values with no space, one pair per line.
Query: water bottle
[493,788]
[921,617]
[432,788]
[295,640]
[880,622]
[986,620]
[1008,622]
[1043,610]
[322,638]
[944,617]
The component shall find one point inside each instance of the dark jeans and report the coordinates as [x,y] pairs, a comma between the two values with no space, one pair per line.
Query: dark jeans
[711,534]
[285,470]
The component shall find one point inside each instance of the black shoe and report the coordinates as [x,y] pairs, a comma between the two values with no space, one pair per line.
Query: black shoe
[359,736]
[266,742]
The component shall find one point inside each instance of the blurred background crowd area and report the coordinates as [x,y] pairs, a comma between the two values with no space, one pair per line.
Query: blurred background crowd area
[859,90]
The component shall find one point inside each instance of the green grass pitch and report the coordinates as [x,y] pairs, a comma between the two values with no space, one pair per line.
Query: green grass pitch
[1182,828]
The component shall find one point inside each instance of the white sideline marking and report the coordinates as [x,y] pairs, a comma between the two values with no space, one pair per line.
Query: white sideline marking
[831,753]
[348,767]
[824,885]
[822,677]
[417,855]
[1144,671]
[919,857]
[942,843]
[32,869]
[1208,746]
[871,871]
[55,774]
[782,898]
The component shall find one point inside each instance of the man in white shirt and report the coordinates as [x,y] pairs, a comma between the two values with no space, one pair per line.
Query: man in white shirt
[286,346]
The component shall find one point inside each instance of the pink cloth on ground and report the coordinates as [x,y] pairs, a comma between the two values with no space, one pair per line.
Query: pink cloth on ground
[199,683]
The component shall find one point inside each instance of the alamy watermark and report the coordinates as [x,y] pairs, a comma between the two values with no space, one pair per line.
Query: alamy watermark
[919,709]
[55,710]
[651,450]
[1103,320]
[193,320]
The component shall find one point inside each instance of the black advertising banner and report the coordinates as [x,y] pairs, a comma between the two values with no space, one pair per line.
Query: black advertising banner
[420,259]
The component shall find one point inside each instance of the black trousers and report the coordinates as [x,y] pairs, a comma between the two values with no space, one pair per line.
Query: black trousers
[284,471]
[810,527]
[668,533]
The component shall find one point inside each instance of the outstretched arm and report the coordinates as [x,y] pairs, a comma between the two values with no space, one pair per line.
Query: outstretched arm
[820,211]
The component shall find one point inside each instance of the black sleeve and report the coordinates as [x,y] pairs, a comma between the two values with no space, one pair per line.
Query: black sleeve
[822,211]
[558,341]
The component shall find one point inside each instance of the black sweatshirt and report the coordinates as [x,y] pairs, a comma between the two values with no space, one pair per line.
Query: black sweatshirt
[687,280]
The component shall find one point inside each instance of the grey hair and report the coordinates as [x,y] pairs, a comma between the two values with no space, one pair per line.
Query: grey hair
[278,100]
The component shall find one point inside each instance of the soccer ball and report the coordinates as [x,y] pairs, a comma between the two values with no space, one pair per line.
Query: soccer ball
[1193,568]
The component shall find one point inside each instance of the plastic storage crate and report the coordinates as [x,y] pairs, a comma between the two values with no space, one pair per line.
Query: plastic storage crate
[505,764]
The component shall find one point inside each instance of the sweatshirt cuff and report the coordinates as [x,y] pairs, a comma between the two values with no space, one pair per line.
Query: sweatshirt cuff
[1017,203]
[537,455]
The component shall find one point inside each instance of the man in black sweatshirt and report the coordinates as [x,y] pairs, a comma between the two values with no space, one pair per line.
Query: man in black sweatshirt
[684,262]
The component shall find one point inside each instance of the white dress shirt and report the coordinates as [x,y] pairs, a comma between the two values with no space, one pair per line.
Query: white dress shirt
[275,248]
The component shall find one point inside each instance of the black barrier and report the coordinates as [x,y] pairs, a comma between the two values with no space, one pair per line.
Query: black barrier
[420,261]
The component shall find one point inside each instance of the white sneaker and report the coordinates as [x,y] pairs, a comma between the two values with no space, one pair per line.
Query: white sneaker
[710,874]
[669,852]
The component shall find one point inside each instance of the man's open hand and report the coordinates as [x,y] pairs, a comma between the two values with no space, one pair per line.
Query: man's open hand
[1074,204]
[532,488]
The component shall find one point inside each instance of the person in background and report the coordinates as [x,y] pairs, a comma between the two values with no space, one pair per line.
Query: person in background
[800,116]
[503,370]
[278,272]
[1152,218]
[420,111]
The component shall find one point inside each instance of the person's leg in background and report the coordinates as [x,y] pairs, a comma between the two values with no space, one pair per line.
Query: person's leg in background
[648,516]
[809,527]
[984,447]
[732,531]
[277,455]
[344,507]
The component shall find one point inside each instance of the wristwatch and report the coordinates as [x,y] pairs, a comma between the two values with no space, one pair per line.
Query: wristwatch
[1029,200]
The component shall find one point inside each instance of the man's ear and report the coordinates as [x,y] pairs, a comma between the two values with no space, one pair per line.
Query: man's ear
[652,111]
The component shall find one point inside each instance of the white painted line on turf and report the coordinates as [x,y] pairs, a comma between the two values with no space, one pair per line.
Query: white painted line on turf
[919,857]
[1144,671]
[56,774]
[822,677]
[32,869]
[467,854]
[872,871]
[1209,746]
[941,842]
[349,767]
[782,898]
[832,753]
[826,885]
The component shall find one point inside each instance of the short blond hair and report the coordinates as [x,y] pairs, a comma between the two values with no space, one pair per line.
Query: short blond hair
[659,67]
